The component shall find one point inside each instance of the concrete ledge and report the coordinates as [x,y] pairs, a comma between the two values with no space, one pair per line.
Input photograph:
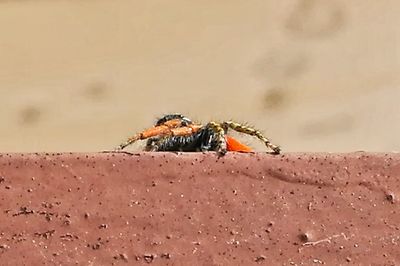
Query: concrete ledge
[198,209]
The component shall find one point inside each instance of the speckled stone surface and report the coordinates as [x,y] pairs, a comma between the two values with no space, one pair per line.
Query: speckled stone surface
[198,209]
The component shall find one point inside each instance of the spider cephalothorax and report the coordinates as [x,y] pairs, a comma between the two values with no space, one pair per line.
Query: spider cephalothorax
[175,132]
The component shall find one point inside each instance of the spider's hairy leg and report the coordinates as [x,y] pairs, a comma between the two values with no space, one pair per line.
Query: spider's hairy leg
[128,142]
[253,132]
[158,132]
[219,136]
[151,132]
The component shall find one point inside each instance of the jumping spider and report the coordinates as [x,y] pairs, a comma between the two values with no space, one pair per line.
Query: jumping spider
[175,132]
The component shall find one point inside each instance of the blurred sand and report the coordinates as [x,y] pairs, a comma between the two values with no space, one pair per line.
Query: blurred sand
[314,75]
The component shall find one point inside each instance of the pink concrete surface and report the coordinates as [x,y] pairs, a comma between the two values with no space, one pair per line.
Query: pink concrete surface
[199,209]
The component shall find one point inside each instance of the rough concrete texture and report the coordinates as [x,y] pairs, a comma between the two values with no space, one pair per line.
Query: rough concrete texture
[198,209]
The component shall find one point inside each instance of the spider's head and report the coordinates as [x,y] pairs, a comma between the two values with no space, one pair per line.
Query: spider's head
[176,120]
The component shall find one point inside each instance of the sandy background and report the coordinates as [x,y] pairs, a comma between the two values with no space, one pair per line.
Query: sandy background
[313,75]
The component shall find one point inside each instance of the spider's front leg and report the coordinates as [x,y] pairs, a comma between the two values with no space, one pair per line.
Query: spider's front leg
[253,132]
[159,134]
[151,132]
